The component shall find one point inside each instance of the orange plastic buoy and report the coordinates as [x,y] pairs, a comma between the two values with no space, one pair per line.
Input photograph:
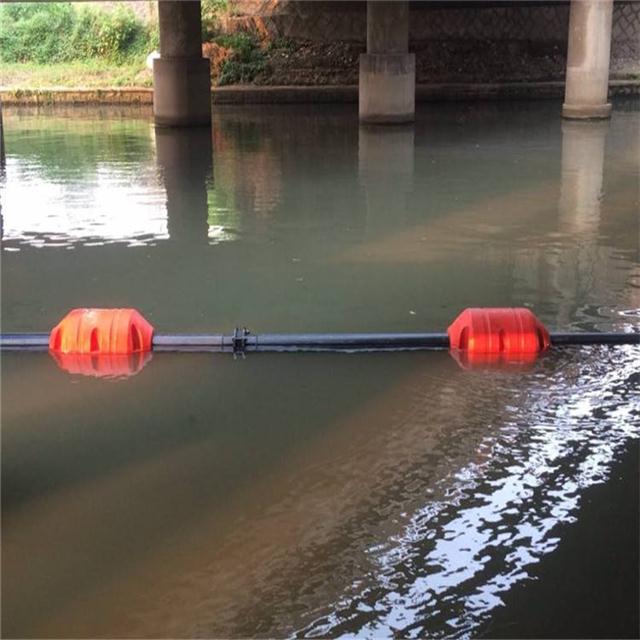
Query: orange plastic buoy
[101,331]
[509,331]
[103,365]
[506,362]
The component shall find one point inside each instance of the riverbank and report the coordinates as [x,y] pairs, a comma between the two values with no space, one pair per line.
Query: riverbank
[77,74]
[251,94]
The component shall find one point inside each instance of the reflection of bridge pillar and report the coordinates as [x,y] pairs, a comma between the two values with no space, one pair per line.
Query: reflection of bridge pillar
[587,81]
[184,157]
[181,76]
[577,271]
[386,169]
[583,145]
[387,71]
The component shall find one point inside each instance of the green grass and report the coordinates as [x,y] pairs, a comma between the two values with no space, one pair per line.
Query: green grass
[92,73]
[49,32]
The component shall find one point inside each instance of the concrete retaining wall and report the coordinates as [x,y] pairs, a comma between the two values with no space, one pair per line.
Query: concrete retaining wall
[529,29]
[247,94]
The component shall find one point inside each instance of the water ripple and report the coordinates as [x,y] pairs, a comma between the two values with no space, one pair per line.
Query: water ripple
[444,573]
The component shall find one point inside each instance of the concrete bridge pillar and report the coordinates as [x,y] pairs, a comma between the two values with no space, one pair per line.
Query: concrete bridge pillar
[181,76]
[387,70]
[587,81]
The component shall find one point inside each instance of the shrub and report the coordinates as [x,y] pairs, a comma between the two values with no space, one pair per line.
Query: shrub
[34,32]
[212,12]
[58,32]
[117,35]
[246,61]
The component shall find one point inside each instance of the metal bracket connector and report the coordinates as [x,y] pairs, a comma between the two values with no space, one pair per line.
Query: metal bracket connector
[239,342]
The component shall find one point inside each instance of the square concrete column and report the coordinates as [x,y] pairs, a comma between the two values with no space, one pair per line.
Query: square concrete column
[387,71]
[181,76]
[587,81]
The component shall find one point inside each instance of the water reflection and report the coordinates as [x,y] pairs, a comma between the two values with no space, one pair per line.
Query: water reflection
[72,181]
[114,366]
[591,288]
[298,494]
[320,219]
[488,523]
[249,174]
[583,147]
[405,503]
[583,153]
[184,157]
[386,173]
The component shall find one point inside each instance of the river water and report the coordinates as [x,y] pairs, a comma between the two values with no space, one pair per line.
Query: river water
[327,495]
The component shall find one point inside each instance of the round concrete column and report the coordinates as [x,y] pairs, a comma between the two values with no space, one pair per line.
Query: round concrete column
[387,70]
[181,76]
[587,80]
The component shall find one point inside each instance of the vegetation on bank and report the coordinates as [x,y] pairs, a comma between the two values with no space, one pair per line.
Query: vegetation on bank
[90,74]
[236,58]
[60,44]
[56,32]
[73,45]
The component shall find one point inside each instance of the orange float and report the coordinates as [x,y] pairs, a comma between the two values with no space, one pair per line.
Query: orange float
[103,365]
[101,331]
[507,331]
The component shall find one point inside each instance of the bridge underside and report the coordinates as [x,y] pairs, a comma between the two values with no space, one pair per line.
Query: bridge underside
[182,85]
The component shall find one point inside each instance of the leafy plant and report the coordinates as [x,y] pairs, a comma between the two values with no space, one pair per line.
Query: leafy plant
[34,31]
[246,61]
[212,12]
[59,32]
[282,43]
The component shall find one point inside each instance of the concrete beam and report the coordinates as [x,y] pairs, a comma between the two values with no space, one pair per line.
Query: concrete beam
[181,76]
[387,71]
[587,80]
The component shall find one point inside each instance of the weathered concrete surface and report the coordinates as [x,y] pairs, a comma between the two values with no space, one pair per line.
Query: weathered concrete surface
[588,59]
[284,94]
[533,35]
[56,95]
[387,78]
[181,76]
[180,29]
[387,86]
[387,26]
[182,89]
[243,94]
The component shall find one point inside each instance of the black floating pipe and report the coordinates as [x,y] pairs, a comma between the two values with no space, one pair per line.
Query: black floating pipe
[313,341]
[579,338]
[24,341]
[302,341]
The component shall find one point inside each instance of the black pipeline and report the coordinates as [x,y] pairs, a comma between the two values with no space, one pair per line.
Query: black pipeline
[475,332]
[242,341]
